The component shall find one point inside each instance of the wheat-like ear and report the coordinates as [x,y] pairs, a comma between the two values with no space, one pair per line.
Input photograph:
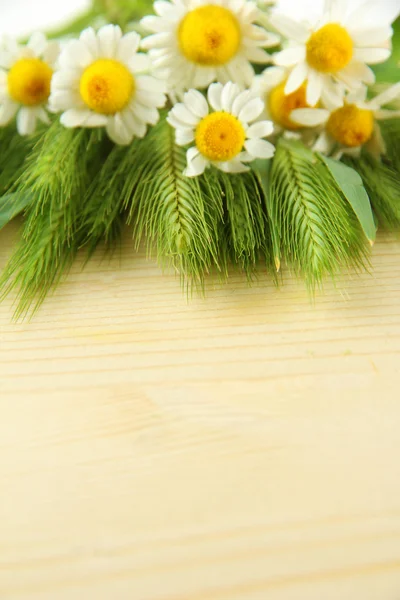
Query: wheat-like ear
[318,231]
[391,134]
[13,151]
[245,236]
[56,175]
[179,221]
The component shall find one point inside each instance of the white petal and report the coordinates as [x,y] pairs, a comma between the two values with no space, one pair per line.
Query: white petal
[272,76]
[65,99]
[75,117]
[184,115]
[240,101]
[139,63]
[244,156]
[175,122]
[184,136]
[233,166]
[257,55]
[9,53]
[260,148]
[65,80]
[196,163]
[228,94]
[256,35]
[196,103]
[150,84]
[356,73]
[387,96]
[133,124]
[290,56]
[372,56]
[214,95]
[168,10]
[324,143]
[127,46]
[89,38]
[372,37]
[148,114]
[357,96]
[290,28]
[202,77]
[95,120]
[192,153]
[7,111]
[332,95]
[149,98]
[310,117]
[37,42]
[296,78]
[108,39]
[153,24]
[158,40]
[26,121]
[42,115]
[260,129]
[75,55]
[382,115]
[251,110]
[51,53]
[3,85]
[314,88]
[117,131]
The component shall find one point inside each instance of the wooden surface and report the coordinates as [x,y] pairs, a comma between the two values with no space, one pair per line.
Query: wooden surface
[241,447]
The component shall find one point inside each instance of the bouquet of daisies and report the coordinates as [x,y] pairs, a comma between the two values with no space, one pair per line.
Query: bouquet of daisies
[223,132]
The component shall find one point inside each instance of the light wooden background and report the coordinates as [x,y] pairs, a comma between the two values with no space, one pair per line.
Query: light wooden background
[241,447]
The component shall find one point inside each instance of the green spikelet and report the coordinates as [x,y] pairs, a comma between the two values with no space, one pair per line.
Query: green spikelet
[13,152]
[317,229]
[57,174]
[180,221]
[391,134]
[246,238]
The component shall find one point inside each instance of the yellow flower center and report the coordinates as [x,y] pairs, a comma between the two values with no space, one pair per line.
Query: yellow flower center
[209,35]
[351,126]
[29,81]
[220,136]
[281,106]
[330,49]
[106,86]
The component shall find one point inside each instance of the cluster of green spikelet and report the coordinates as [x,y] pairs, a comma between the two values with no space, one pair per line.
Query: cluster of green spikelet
[78,191]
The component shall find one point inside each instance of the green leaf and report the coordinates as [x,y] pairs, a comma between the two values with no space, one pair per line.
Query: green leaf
[382,183]
[11,205]
[352,187]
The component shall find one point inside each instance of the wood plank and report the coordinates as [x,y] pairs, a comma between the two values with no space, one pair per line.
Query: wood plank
[241,446]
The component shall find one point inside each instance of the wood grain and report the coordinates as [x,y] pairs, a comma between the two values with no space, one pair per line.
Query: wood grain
[244,446]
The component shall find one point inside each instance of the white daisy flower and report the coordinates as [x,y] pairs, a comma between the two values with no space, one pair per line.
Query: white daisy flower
[25,76]
[352,124]
[338,46]
[102,81]
[195,42]
[222,136]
